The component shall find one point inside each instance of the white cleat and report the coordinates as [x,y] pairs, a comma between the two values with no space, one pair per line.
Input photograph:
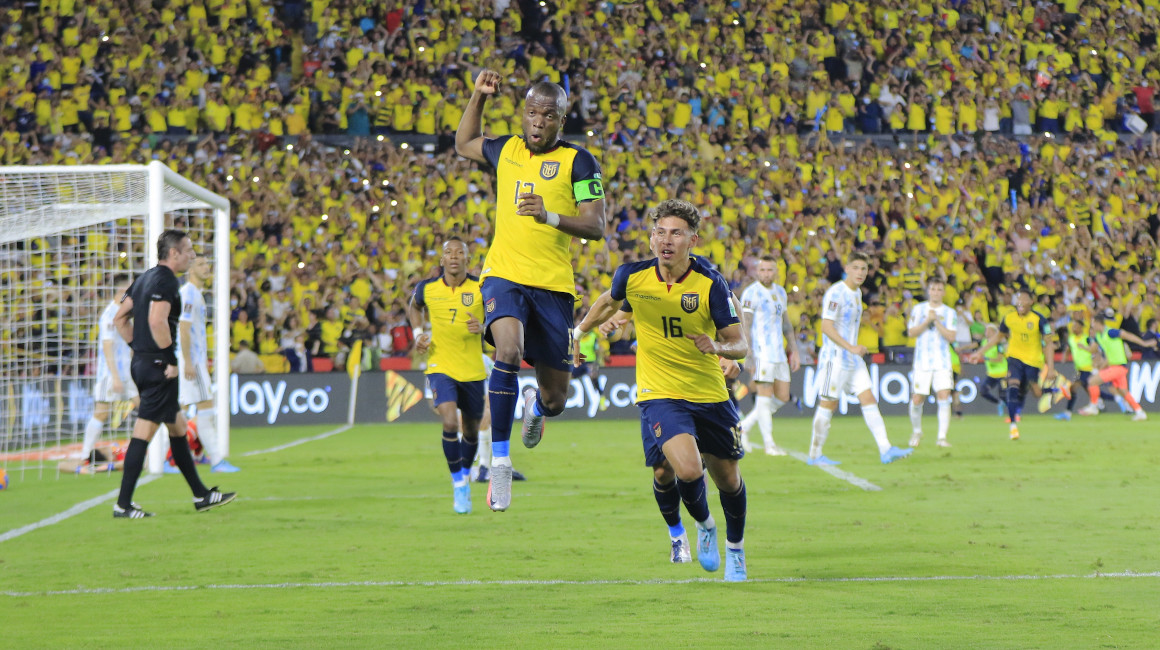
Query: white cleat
[943,443]
[1140,416]
[774,450]
[915,438]
[1090,409]
[682,552]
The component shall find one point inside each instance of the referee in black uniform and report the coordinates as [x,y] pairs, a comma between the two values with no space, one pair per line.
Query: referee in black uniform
[147,320]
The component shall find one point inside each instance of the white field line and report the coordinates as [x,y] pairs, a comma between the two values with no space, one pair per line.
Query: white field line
[96,501]
[837,473]
[548,583]
[71,512]
[300,441]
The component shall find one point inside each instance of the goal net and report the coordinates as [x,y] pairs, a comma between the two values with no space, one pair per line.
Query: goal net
[70,236]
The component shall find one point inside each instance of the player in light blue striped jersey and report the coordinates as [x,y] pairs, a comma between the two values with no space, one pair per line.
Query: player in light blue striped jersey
[932,323]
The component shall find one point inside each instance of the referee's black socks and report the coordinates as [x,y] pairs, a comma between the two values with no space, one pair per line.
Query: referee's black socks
[184,460]
[134,463]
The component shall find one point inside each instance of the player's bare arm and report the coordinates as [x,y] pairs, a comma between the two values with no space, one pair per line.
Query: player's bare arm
[730,343]
[830,330]
[123,321]
[589,224]
[415,315]
[469,136]
[159,328]
[616,322]
[111,364]
[1132,338]
[791,353]
[601,311]
[185,331]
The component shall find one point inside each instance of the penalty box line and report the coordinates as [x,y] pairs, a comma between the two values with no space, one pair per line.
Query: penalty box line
[581,583]
[112,494]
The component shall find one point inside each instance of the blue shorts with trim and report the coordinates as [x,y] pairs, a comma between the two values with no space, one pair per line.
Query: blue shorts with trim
[547,317]
[1084,376]
[1021,372]
[467,395]
[714,425]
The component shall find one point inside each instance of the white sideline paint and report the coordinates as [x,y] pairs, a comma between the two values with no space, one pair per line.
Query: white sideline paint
[837,473]
[96,501]
[549,583]
[71,512]
[300,441]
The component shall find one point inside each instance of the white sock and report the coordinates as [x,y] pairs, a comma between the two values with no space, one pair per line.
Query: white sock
[735,546]
[484,453]
[207,434]
[92,435]
[944,418]
[873,419]
[822,418]
[764,411]
[749,420]
[916,417]
[708,524]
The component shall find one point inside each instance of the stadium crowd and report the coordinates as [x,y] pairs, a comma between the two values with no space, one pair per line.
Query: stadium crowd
[742,108]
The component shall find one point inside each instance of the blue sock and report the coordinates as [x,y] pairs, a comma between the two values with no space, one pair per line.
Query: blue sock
[693,494]
[451,453]
[538,409]
[734,507]
[467,454]
[502,395]
[1014,401]
[669,502]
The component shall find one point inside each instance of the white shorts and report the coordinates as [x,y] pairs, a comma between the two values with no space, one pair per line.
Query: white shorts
[770,371]
[838,380]
[196,390]
[940,380]
[103,390]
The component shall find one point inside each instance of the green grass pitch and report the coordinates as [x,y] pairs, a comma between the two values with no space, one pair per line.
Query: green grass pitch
[351,541]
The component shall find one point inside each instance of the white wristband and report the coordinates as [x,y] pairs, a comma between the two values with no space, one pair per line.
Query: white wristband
[416,333]
[578,333]
[552,219]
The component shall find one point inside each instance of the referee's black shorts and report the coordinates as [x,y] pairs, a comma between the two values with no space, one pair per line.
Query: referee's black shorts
[158,393]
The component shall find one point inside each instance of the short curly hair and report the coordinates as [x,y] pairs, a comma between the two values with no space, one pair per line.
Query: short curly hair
[682,210]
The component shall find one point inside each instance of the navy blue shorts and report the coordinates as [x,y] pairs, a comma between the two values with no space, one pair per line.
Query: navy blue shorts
[1021,372]
[467,395]
[714,425]
[1084,376]
[580,370]
[547,317]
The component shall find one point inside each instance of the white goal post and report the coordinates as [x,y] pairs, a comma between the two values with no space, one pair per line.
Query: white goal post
[65,232]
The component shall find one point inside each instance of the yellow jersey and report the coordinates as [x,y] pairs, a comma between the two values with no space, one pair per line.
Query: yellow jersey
[454,350]
[523,251]
[1025,337]
[669,365]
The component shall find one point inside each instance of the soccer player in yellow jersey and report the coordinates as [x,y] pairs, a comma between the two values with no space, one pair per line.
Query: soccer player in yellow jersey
[685,320]
[454,348]
[548,191]
[1030,346]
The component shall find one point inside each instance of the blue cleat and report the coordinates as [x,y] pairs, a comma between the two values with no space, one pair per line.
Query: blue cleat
[1001,409]
[735,565]
[463,499]
[707,553]
[1066,416]
[224,467]
[894,453]
[170,469]
[822,460]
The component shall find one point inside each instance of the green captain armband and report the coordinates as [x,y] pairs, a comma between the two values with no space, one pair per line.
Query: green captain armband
[588,190]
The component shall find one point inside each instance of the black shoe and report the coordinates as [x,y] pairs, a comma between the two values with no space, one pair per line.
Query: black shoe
[213,499]
[133,512]
[484,474]
[516,476]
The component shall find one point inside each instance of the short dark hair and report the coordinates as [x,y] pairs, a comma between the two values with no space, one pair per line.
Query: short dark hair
[935,279]
[859,256]
[169,240]
[682,210]
[120,279]
[768,258]
[455,238]
[551,92]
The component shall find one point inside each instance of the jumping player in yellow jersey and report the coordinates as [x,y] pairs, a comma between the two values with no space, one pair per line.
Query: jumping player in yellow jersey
[455,371]
[685,320]
[548,191]
[1030,346]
